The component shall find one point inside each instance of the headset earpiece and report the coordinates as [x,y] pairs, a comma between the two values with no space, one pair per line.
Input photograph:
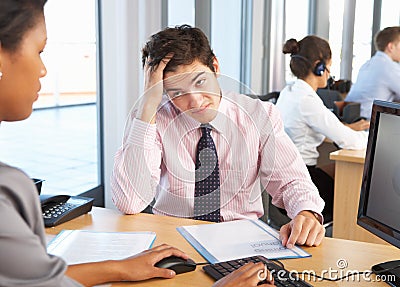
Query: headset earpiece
[320,68]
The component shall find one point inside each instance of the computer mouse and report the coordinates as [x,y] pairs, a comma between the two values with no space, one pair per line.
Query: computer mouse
[178,264]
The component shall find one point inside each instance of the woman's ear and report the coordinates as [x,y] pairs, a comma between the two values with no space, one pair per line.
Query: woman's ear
[216,66]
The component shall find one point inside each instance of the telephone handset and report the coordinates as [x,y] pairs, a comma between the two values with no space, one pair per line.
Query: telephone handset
[57,209]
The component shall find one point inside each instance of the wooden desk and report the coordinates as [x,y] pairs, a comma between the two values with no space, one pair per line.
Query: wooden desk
[349,169]
[359,255]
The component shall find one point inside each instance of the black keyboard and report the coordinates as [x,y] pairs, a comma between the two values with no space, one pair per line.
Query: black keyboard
[282,277]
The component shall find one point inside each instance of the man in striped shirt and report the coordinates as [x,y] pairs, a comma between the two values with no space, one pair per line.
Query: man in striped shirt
[156,163]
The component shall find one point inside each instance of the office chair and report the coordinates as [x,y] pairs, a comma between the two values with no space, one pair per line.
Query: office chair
[347,112]
[342,85]
[329,97]
[276,217]
[270,97]
[273,216]
[149,208]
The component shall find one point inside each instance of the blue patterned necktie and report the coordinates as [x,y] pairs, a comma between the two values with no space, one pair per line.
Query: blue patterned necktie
[207,187]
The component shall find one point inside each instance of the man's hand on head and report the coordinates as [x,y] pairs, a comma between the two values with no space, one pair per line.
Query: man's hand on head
[304,229]
[153,89]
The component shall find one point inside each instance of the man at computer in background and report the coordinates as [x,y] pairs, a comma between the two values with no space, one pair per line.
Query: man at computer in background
[379,77]
[184,110]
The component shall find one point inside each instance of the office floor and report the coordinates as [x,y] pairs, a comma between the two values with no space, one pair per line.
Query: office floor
[58,145]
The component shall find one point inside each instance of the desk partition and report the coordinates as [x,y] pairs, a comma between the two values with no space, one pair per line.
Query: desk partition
[349,166]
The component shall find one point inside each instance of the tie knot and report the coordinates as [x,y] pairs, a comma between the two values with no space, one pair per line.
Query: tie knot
[205,129]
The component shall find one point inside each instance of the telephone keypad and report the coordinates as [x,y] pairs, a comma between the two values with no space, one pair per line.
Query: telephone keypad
[56,210]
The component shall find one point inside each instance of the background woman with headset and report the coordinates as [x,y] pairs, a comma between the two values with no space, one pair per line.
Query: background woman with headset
[306,119]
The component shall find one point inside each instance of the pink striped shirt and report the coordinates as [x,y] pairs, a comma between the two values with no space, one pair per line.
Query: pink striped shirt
[158,161]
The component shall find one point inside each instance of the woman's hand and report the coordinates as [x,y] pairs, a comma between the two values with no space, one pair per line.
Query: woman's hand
[360,125]
[141,266]
[135,268]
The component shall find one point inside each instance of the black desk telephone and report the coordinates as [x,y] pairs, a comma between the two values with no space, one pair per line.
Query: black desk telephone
[61,208]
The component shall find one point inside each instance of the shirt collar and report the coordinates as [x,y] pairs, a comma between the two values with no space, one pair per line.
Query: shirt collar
[219,123]
[383,55]
[300,84]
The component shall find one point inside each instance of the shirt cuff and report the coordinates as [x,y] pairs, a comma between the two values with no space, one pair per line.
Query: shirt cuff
[141,133]
[318,216]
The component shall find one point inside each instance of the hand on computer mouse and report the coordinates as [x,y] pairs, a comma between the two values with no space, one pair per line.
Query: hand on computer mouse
[177,264]
[248,275]
[141,266]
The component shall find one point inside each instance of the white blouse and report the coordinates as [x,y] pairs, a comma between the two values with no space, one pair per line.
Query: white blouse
[308,122]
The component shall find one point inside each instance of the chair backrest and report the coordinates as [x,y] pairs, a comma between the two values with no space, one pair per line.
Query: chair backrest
[329,97]
[342,85]
[270,97]
[348,112]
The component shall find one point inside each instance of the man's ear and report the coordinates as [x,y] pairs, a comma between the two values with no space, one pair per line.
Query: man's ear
[389,47]
[216,66]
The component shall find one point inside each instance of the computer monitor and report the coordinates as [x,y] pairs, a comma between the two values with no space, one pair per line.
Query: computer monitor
[379,208]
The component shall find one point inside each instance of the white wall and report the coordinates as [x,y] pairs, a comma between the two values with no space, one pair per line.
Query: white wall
[257,48]
[125,26]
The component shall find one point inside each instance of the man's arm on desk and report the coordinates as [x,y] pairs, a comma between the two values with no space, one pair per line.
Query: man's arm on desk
[285,177]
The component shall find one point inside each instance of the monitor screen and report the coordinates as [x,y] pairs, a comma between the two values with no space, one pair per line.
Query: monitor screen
[379,210]
[379,207]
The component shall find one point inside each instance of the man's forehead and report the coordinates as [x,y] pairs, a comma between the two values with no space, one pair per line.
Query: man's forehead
[171,78]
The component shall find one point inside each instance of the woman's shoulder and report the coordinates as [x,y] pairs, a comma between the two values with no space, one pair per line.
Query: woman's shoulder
[15,180]
[8,171]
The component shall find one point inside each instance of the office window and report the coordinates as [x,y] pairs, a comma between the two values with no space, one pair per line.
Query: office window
[181,12]
[362,35]
[59,142]
[296,26]
[70,54]
[296,18]
[335,34]
[390,13]
[225,31]
[226,39]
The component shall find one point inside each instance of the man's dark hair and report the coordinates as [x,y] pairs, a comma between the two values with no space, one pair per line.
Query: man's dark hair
[185,43]
[386,36]
[16,18]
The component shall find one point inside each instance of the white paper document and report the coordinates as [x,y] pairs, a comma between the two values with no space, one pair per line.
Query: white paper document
[80,246]
[226,241]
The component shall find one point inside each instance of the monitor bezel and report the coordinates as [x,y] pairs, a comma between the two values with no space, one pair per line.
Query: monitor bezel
[372,225]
